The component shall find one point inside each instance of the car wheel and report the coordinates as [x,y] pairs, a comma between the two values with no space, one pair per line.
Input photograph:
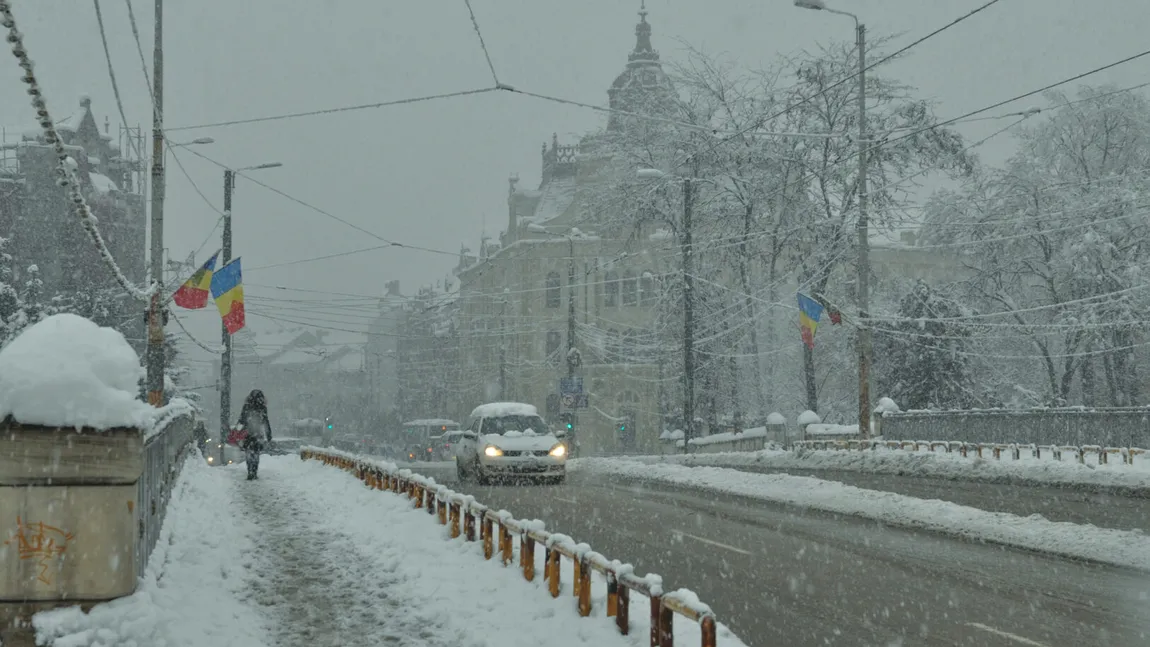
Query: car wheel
[480,477]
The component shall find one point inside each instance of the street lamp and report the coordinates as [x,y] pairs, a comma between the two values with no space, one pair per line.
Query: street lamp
[195,142]
[864,333]
[226,360]
[688,304]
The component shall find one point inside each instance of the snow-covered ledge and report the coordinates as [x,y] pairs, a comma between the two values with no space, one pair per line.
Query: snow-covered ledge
[80,454]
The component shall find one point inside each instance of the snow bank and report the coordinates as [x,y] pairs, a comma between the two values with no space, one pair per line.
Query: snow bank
[776,418]
[1026,470]
[1124,548]
[826,429]
[66,371]
[809,417]
[192,591]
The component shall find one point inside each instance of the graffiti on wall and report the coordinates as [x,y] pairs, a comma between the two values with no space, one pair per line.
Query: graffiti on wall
[41,542]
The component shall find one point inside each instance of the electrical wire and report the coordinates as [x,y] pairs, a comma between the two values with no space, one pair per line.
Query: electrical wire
[67,178]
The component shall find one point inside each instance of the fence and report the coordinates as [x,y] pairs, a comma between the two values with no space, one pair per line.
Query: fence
[163,457]
[1116,427]
[1015,450]
[748,440]
[497,532]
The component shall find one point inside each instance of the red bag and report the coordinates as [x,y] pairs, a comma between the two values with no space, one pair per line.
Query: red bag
[236,436]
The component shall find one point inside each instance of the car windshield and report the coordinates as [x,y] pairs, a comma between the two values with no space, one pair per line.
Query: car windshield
[519,424]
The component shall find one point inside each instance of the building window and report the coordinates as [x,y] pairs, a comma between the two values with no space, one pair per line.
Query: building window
[553,341]
[647,288]
[611,290]
[630,287]
[553,296]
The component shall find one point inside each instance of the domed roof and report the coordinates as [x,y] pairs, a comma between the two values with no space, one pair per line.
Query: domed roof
[643,86]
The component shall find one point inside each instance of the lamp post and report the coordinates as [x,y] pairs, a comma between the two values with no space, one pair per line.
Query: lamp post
[226,359]
[685,245]
[864,332]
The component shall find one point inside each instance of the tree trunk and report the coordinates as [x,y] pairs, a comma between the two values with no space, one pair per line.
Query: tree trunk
[1086,373]
[749,303]
[1111,384]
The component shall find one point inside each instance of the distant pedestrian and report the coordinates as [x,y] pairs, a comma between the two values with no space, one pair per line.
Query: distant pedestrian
[257,429]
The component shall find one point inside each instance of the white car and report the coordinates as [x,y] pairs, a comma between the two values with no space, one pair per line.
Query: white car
[509,439]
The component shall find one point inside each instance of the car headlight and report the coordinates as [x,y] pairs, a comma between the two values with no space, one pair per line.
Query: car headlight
[492,451]
[211,459]
[558,451]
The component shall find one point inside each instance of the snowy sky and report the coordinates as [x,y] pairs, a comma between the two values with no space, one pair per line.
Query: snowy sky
[431,174]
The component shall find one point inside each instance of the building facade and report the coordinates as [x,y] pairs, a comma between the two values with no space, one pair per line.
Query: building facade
[41,225]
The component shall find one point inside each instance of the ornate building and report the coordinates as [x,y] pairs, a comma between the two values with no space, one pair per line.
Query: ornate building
[554,272]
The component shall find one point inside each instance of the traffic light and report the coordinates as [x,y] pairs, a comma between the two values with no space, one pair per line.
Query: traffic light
[330,424]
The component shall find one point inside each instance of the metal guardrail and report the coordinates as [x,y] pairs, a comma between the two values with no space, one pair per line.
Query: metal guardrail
[1065,427]
[164,455]
[497,532]
[1080,452]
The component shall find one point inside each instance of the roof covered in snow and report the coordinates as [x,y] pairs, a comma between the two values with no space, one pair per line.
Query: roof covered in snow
[555,199]
[500,409]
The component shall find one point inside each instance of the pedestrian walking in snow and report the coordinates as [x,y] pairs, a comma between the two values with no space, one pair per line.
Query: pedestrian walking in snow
[257,429]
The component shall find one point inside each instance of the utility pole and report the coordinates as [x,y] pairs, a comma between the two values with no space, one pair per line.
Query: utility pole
[688,321]
[502,351]
[155,350]
[864,333]
[572,355]
[226,358]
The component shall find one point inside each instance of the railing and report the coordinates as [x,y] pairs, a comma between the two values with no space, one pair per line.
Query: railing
[1066,427]
[163,458]
[1015,450]
[497,532]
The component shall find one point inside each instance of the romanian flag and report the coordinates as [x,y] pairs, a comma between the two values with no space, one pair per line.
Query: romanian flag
[809,313]
[228,291]
[193,294]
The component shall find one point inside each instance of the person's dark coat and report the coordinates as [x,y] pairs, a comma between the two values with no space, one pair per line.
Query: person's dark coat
[254,420]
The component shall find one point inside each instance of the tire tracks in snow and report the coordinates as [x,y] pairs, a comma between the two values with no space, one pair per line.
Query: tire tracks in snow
[318,587]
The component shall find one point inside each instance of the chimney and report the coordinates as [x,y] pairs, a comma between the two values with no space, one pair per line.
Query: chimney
[392,288]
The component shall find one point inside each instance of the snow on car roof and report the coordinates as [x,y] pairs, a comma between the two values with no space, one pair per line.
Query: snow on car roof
[500,409]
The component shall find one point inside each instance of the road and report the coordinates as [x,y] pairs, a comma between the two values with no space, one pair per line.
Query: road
[793,577]
[1076,505]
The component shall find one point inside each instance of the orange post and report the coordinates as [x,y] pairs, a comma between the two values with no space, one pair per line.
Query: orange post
[553,566]
[454,507]
[527,556]
[505,543]
[485,531]
[612,595]
[656,619]
[577,578]
[666,627]
[441,506]
[583,585]
[429,499]
[469,526]
[707,625]
[623,617]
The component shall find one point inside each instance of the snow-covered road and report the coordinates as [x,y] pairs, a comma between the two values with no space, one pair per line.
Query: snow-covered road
[306,555]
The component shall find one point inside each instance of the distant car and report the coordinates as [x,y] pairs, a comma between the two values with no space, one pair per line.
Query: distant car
[444,445]
[232,455]
[509,439]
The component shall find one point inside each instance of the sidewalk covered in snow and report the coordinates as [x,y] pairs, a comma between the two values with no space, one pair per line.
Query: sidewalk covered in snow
[307,556]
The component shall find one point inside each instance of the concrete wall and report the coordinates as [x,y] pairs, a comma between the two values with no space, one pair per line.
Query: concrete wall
[79,513]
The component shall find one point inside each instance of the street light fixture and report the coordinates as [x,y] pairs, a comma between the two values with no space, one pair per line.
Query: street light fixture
[226,360]
[195,142]
[864,333]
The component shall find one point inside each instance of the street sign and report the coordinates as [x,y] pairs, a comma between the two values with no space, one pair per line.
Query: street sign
[570,386]
[575,401]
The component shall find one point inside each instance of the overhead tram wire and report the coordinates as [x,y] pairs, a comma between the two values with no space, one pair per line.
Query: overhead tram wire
[327,111]
[390,243]
[482,44]
[313,259]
